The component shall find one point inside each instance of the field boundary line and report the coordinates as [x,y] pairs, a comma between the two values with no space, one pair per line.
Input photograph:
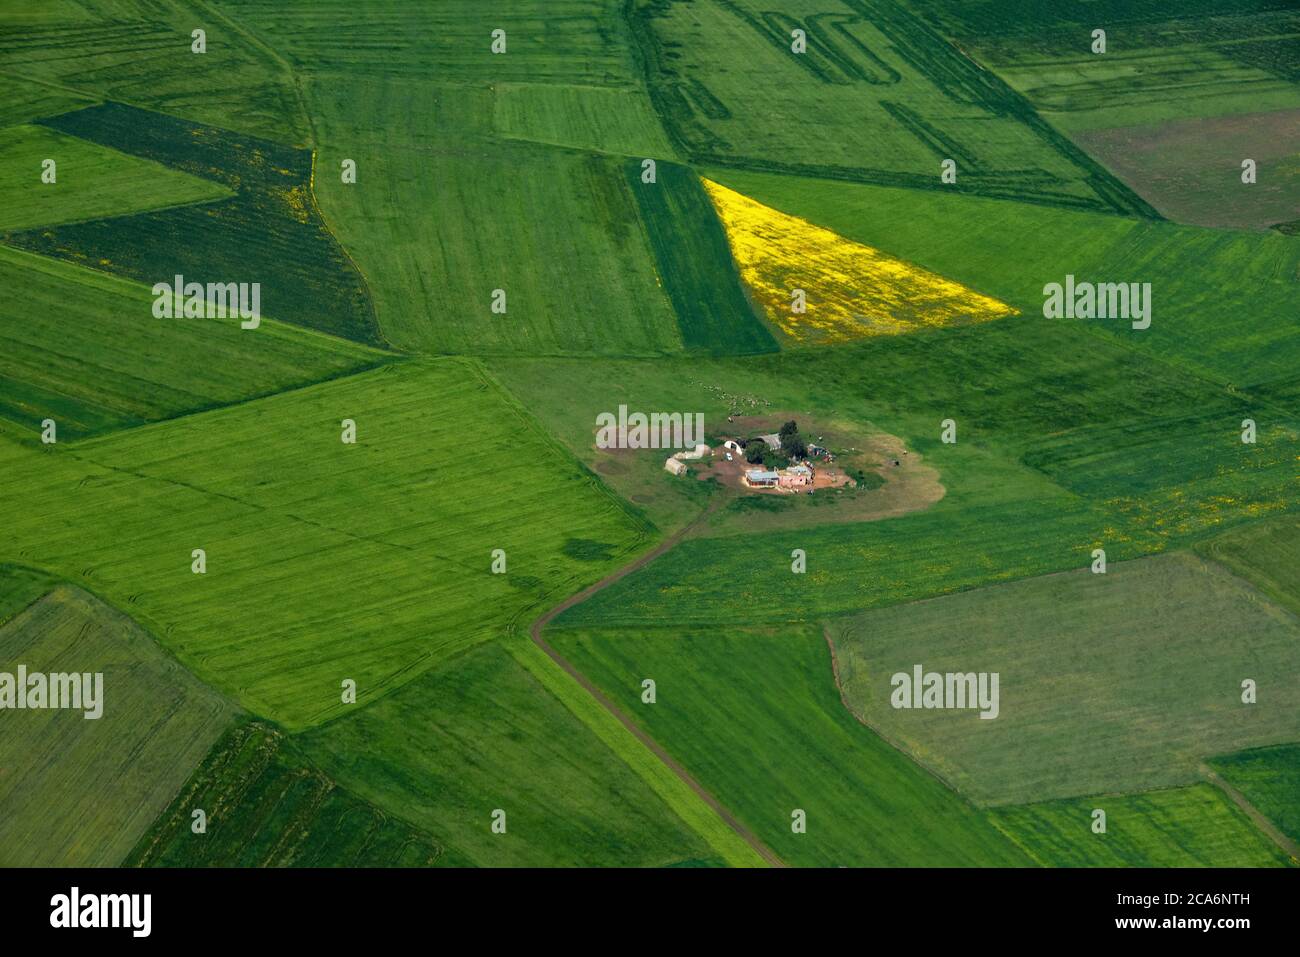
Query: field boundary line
[1267,827]
[642,762]
[251,37]
[535,632]
[861,719]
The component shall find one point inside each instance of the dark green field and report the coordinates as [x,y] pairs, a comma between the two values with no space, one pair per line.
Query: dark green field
[269,232]
[266,806]
[1270,780]
[712,310]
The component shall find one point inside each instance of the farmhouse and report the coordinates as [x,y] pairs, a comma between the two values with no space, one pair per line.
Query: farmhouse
[796,476]
[761,478]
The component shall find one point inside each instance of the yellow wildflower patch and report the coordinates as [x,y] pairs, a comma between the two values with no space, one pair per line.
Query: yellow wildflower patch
[851,290]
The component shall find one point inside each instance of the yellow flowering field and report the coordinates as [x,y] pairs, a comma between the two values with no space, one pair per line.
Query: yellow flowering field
[851,290]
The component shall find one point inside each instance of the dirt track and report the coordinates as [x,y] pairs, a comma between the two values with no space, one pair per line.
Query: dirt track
[1264,824]
[536,633]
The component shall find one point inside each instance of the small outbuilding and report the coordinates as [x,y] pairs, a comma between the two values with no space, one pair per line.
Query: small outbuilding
[675,466]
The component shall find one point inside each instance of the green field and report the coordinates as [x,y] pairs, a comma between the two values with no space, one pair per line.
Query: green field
[433,275]
[26,100]
[123,367]
[20,587]
[900,99]
[77,792]
[137,51]
[1086,704]
[1185,827]
[695,264]
[481,733]
[1270,780]
[754,715]
[266,806]
[304,587]
[91,181]
[269,232]
[1221,298]
[579,42]
[954,545]
[1267,554]
[498,276]
[1163,61]
[611,120]
[1182,94]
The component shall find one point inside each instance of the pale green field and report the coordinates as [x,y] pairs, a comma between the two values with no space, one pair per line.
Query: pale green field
[77,792]
[325,561]
[91,181]
[1267,554]
[586,117]
[433,273]
[1108,683]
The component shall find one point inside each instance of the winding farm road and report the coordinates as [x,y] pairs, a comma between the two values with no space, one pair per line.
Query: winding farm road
[671,763]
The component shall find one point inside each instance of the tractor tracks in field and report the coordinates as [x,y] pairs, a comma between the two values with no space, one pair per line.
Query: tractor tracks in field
[535,632]
[1267,827]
